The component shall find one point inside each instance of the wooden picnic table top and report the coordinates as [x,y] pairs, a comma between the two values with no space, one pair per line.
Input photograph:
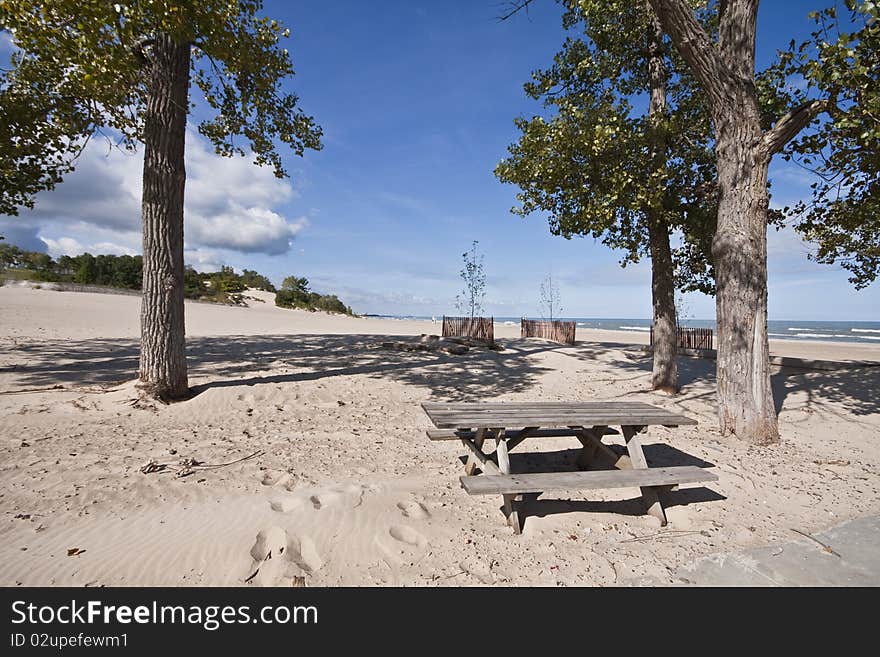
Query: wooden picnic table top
[453,415]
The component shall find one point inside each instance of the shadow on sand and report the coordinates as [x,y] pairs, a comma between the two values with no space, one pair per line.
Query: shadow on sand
[853,388]
[657,455]
[247,360]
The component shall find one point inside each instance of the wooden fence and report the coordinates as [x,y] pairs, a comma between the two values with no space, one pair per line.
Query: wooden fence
[557,331]
[692,338]
[480,328]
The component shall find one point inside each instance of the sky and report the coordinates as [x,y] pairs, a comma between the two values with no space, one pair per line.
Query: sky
[417,101]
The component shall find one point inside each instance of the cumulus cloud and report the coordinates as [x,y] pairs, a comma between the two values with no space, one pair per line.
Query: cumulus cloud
[266,231]
[230,204]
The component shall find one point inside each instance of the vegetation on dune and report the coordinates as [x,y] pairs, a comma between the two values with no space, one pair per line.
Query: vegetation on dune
[295,293]
[126,272]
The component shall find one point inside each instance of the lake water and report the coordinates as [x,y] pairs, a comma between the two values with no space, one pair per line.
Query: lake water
[863,332]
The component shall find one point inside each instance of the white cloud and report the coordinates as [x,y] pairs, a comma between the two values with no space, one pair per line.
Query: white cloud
[204,260]
[251,230]
[63,246]
[230,204]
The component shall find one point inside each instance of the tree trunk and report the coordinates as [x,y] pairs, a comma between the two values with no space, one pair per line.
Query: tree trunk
[665,372]
[665,369]
[163,349]
[726,72]
[739,248]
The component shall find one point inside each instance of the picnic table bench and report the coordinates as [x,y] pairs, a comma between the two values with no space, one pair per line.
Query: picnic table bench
[510,423]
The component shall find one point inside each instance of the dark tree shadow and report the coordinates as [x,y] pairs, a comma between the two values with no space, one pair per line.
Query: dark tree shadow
[856,389]
[231,361]
[246,360]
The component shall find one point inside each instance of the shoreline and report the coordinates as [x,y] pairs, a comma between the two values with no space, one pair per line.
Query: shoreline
[39,306]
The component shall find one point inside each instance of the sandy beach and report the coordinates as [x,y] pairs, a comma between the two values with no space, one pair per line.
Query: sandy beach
[337,468]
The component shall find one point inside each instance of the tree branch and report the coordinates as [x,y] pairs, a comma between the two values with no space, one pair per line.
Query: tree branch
[695,46]
[139,49]
[515,7]
[791,124]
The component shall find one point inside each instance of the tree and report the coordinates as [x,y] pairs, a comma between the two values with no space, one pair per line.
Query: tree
[838,61]
[295,284]
[255,280]
[124,70]
[470,300]
[628,176]
[550,304]
[723,61]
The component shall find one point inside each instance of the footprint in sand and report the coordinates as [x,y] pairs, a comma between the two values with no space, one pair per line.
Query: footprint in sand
[269,564]
[277,478]
[351,496]
[304,553]
[413,509]
[408,535]
[286,505]
[271,542]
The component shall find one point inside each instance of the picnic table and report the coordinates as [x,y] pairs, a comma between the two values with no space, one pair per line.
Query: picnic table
[510,423]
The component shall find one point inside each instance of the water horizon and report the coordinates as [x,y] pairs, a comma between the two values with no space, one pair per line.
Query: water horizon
[859,331]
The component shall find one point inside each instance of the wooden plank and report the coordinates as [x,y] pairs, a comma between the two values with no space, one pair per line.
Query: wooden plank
[471,466]
[639,463]
[589,437]
[515,435]
[526,432]
[510,510]
[565,420]
[594,479]
[538,404]
[488,465]
[501,451]
[555,411]
[590,447]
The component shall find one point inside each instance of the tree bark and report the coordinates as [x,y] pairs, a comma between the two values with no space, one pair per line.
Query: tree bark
[725,71]
[739,248]
[163,349]
[664,376]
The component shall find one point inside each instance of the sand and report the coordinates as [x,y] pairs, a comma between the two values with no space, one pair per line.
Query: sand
[341,485]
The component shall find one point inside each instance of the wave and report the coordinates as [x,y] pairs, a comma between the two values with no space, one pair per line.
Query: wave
[634,328]
[803,329]
[854,330]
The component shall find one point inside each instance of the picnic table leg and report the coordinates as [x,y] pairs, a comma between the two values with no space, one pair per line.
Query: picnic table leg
[471,466]
[637,456]
[510,506]
[591,439]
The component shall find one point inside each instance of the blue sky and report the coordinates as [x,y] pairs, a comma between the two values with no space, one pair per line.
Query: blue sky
[417,101]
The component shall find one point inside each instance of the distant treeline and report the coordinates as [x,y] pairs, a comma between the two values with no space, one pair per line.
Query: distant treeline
[125,271]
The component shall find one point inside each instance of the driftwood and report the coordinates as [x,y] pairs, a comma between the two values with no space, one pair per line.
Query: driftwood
[433,344]
[187,466]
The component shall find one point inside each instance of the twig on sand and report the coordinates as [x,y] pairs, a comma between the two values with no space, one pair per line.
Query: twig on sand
[672,533]
[22,390]
[826,548]
[188,466]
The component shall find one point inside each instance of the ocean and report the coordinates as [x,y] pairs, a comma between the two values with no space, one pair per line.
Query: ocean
[863,332]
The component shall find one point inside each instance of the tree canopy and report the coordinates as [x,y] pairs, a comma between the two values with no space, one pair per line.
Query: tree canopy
[838,66]
[589,165]
[77,71]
